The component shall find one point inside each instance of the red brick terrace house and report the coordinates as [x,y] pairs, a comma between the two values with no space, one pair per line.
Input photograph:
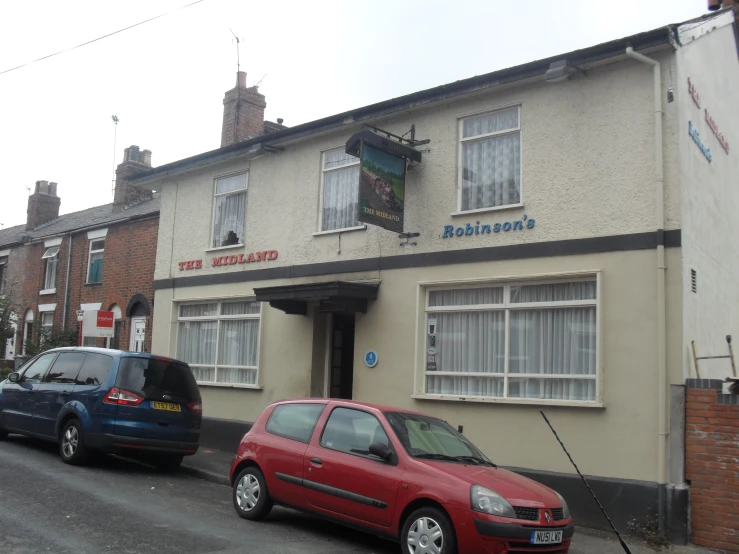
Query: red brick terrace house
[101,258]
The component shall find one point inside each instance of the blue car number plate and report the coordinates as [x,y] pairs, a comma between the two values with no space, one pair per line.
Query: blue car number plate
[546,537]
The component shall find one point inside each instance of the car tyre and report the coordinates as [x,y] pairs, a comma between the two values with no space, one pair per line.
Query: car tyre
[425,528]
[72,447]
[250,495]
[168,462]
[3,433]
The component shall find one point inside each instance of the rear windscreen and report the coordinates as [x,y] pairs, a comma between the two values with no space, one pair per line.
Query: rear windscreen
[156,378]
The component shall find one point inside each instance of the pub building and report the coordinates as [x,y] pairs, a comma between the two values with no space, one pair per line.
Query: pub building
[478,251]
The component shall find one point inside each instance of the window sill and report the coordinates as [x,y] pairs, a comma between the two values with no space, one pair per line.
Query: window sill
[228,385]
[337,231]
[98,284]
[47,291]
[219,248]
[512,401]
[486,210]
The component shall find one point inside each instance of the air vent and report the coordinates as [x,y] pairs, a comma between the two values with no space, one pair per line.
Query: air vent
[693,280]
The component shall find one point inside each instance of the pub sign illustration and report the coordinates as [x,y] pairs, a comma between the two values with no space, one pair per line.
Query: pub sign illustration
[381,189]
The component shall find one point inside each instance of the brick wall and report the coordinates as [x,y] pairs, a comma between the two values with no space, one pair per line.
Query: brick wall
[128,270]
[712,464]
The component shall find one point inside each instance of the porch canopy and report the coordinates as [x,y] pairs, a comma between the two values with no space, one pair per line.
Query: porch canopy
[332,297]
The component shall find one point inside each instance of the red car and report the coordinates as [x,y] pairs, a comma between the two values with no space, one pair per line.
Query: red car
[402,475]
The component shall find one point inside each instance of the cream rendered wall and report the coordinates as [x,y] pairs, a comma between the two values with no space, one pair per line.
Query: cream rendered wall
[710,193]
[587,170]
[618,440]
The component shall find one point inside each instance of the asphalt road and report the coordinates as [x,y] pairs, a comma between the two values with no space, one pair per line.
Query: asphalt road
[118,506]
[123,507]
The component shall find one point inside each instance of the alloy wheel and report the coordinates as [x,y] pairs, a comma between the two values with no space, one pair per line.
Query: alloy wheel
[70,441]
[247,492]
[425,537]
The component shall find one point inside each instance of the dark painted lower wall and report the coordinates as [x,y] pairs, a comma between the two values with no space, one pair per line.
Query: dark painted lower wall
[222,434]
[631,505]
[625,501]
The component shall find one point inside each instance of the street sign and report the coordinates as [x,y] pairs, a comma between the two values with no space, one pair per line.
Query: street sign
[370,358]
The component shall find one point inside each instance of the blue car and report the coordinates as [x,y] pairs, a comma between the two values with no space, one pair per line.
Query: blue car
[96,399]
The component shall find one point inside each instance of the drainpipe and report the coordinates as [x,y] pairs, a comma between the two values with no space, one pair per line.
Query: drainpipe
[662,384]
[66,284]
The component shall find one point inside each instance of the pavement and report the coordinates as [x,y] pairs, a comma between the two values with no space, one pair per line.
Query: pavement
[119,505]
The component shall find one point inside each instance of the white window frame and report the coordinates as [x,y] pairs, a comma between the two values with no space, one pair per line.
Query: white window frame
[218,318]
[245,191]
[424,288]
[460,159]
[354,162]
[51,255]
[89,258]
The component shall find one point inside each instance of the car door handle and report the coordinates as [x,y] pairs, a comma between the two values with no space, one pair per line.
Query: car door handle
[316,461]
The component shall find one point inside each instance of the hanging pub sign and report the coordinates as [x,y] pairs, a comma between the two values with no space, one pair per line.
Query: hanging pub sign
[381,178]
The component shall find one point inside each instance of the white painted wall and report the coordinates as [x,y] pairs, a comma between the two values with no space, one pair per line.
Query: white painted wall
[587,170]
[710,192]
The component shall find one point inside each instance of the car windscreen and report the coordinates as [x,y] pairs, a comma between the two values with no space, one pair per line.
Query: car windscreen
[155,378]
[431,438]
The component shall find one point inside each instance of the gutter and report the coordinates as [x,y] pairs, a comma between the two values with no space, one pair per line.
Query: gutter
[535,69]
[662,383]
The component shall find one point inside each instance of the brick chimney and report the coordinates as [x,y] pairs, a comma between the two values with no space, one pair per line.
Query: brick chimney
[243,112]
[134,161]
[43,205]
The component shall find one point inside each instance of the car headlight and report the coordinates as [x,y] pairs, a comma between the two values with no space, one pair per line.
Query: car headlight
[490,502]
[565,509]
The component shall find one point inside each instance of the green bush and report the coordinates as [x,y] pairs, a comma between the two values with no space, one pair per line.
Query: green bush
[52,338]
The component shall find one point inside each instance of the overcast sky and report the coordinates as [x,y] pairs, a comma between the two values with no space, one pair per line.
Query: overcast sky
[165,79]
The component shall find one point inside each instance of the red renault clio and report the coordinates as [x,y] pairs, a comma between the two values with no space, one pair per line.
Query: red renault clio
[402,475]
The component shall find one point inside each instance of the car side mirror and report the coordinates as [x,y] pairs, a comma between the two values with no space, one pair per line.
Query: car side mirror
[13,377]
[380,450]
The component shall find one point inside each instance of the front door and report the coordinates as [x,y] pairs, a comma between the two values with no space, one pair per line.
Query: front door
[138,334]
[341,369]
[19,399]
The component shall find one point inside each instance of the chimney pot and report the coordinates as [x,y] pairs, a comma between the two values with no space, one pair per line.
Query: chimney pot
[241,79]
[279,121]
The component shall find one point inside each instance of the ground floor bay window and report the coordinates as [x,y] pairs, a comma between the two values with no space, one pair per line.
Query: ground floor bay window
[527,340]
[220,341]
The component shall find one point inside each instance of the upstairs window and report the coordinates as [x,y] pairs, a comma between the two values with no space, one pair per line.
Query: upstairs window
[339,190]
[229,211]
[51,255]
[490,160]
[95,262]
[3,270]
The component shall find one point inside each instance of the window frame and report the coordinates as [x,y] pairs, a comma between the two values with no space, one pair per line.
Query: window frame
[355,162]
[461,140]
[52,258]
[424,288]
[215,195]
[393,460]
[218,318]
[90,252]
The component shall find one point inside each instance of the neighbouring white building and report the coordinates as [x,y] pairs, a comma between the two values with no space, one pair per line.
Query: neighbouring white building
[578,229]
